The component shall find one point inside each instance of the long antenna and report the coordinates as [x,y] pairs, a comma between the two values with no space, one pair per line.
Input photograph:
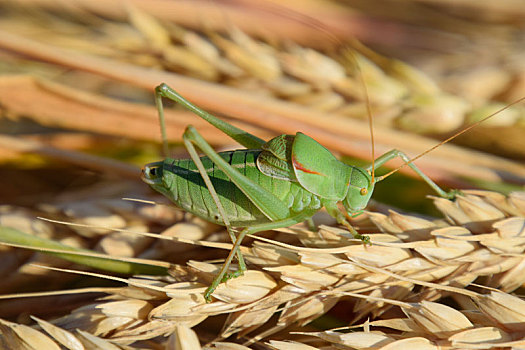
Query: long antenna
[370,119]
[323,27]
[473,125]
[305,19]
[162,122]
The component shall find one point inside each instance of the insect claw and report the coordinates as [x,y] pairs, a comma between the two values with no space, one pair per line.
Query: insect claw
[452,194]
[365,239]
[209,291]
[207,294]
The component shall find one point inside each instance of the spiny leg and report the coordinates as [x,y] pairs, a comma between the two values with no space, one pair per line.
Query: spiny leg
[243,137]
[250,230]
[396,153]
[198,162]
[265,201]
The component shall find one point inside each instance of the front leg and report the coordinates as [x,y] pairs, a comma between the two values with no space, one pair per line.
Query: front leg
[396,153]
[333,210]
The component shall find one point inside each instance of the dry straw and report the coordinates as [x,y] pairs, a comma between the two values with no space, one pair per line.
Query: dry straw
[397,282]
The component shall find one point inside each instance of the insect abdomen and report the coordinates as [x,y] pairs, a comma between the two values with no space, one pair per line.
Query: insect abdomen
[185,187]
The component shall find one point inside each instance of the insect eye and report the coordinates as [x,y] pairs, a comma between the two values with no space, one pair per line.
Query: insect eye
[364,191]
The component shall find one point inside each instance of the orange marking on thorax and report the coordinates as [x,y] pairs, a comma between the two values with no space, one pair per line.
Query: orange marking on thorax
[301,167]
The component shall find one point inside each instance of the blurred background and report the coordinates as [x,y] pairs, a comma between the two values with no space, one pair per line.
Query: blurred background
[79,77]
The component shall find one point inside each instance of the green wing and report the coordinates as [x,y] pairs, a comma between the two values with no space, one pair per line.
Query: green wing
[317,170]
[275,160]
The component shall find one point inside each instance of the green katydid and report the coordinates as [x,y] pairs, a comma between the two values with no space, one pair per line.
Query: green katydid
[266,186]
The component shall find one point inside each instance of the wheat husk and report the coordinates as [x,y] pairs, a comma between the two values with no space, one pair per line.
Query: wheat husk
[379,277]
